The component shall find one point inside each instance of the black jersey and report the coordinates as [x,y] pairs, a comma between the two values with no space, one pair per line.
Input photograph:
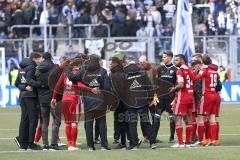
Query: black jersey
[167,73]
[166,78]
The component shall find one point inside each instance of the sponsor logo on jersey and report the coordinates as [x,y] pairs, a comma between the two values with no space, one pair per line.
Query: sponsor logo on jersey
[132,77]
[94,83]
[94,75]
[135,84]
[167,76]
[23,79]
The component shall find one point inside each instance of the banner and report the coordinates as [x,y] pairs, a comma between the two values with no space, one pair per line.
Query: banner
[231,92]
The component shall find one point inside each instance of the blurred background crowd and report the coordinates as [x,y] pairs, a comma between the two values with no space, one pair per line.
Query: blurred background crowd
[126,17]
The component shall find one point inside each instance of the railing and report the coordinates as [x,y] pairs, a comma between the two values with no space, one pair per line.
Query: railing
[88,28]
[224,50]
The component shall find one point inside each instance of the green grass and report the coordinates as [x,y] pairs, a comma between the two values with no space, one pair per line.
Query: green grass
[229,136]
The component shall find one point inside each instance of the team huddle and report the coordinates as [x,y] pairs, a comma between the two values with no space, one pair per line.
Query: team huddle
[80,89]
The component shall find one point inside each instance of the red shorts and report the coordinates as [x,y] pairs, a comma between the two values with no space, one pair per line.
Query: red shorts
[71,111]
[208,104]
[182,109]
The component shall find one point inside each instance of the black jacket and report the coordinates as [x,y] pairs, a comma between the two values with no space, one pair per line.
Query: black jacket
[42,73]
[117,80]
[117,83]
[26,76]
[95,76]
[138,87]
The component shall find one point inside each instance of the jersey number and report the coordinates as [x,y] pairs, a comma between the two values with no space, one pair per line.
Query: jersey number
[213,80]
[189,82]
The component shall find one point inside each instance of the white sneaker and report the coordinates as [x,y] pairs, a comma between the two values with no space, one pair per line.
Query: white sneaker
[73,148]
[60,144]
[105,149]
[196,144]
[134,148]
[177,145]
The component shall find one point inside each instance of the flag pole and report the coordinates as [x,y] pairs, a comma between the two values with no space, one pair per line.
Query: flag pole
[45,25]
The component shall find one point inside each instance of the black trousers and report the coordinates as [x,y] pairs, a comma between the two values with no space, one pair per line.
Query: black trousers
[100,118]
[116,134]
[29,121]
[120,123]
[163,105]
[132,118]
[144,124]
[96,127]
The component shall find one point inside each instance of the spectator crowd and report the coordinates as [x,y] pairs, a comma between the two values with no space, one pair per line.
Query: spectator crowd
[125,17]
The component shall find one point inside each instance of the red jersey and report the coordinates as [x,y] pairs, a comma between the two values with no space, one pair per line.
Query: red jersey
[210,78]
[184,95]
[71,90]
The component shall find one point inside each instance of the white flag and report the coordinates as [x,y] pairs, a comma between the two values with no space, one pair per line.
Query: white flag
[182,40]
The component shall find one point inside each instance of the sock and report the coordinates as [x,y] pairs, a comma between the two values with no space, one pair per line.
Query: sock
[179,130]
[217,131]
[68,133]
[38,134]
[213,131]
[194,127]
[207,129]
[189,129]
[201,130]
[74,133]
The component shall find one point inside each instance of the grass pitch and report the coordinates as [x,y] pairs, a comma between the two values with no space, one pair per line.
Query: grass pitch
[229,137]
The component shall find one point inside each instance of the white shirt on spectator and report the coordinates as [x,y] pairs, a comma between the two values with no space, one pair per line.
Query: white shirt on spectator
[170,9]
[148,2]
[44,17]
[126,2]
[156,17]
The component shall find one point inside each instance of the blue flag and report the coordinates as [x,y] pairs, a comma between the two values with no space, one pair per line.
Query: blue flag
[182,40]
